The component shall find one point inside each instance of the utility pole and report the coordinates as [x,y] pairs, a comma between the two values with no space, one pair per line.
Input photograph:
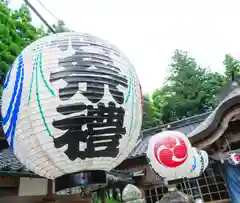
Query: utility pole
[39,15]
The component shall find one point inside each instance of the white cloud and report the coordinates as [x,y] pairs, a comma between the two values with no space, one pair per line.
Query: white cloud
[148,31]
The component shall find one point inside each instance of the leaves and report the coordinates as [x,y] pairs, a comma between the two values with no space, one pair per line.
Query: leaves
[189,90]
[59,27]
[16,32]
[232,66]
[151,117]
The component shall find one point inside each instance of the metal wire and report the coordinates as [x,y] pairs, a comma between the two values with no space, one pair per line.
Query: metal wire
[54,16]
[39,15]
[47,10]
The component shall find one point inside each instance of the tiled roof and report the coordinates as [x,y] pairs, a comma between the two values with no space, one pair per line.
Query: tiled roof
[9,163]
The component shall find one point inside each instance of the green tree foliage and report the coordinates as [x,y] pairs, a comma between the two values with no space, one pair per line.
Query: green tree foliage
[59,27]
[232,73]
[232,66]
[16,32]
[189,90]
[151,117]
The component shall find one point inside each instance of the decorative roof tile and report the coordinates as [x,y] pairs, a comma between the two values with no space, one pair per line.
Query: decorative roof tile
[9,162]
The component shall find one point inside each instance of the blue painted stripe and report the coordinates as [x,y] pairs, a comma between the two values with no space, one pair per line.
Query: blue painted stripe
[194,163]
[8,78]
[12,127]
[16,109]
[11,141]
[18,75]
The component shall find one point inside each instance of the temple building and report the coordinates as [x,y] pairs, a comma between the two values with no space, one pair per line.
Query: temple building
[217,132]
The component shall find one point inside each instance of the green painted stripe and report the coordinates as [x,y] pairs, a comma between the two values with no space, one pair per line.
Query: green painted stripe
[31,83]
[43,78]
[129,88]
[39,105]
[133,104]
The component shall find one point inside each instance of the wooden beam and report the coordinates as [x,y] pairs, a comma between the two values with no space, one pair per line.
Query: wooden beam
[50,197]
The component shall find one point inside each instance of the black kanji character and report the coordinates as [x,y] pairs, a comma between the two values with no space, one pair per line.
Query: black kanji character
[103,129]
[93,69]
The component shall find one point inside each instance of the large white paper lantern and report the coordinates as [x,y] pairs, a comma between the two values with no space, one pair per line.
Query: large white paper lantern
[200,163]
[71,102]
[197,165]
[205,158]
[170,154]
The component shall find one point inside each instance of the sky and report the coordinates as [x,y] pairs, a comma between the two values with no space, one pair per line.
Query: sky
[148,31]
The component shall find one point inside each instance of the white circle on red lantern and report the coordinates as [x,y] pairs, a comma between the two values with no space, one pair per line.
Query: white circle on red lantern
[170,154]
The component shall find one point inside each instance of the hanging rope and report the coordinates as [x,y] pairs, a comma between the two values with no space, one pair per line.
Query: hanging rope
[228,144]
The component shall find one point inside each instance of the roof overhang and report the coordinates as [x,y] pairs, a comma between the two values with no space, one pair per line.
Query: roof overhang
[210,130]
[19,174]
